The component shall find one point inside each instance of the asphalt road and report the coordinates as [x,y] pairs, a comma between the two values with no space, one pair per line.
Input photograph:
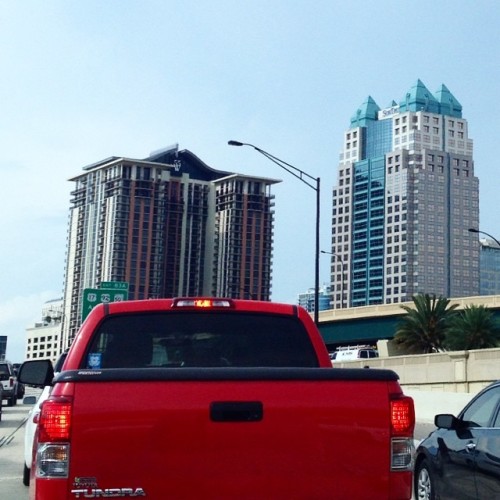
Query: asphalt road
[422,430]
[12,452]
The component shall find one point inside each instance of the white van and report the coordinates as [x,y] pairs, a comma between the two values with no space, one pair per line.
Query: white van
[353,353]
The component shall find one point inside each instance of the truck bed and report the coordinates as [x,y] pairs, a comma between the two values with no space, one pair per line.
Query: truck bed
[230,433]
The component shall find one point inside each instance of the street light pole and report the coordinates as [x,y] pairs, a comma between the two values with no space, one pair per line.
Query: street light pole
[342,276]
[313,183]
[472,230]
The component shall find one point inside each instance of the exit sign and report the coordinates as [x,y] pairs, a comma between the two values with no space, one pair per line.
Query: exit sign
[114,285]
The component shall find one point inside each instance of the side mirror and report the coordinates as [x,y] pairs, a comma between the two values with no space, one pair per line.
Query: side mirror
[38,373]
[445,421]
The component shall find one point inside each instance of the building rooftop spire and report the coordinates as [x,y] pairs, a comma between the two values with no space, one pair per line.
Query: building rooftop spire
[419,98]
[367,111]
[449,105]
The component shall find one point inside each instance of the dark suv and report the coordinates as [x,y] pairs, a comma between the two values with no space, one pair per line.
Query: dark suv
[11,388]
[20,387]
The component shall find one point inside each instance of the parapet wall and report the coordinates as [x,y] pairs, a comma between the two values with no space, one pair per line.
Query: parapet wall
[456,371]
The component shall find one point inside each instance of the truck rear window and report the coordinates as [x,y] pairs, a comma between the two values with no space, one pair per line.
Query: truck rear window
[214,339]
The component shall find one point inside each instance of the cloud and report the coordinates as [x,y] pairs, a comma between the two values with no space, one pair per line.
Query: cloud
[17,314]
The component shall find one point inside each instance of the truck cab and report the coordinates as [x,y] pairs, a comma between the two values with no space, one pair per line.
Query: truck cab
[215,398]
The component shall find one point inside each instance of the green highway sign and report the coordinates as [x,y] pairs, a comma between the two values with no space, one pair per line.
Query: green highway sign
[94,296]
[114,285]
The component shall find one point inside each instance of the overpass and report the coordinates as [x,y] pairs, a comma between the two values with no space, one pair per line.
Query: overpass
[368,324]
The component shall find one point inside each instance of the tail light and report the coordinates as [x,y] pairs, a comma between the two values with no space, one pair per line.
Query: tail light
[55,420]
[54,428]
[11,381]
[203,303]
[402,426]
[402,416]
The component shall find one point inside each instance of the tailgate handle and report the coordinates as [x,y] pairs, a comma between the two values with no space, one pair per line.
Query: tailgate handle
[236,411]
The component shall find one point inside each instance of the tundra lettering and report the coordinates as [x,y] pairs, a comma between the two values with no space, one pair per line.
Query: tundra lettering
[108,492]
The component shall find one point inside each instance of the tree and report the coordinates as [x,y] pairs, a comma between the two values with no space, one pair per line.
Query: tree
[473,328]
[423,327]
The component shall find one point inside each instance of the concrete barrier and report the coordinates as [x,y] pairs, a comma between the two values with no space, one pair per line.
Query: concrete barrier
[452,371]
[430,403]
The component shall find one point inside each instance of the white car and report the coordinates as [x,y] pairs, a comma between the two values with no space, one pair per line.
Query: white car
[32,422]
[353,353]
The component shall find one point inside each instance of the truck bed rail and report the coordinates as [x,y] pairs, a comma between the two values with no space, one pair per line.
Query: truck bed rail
[210,374]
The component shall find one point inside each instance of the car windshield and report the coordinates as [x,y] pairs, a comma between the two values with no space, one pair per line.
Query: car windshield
[481,411]
[201,340]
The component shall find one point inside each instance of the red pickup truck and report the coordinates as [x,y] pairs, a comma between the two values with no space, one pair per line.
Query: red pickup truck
[216,399]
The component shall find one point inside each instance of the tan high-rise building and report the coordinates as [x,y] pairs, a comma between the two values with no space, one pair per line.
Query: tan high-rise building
[168,226]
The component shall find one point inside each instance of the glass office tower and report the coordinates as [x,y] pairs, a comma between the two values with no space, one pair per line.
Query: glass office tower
[405,197]
[489,267]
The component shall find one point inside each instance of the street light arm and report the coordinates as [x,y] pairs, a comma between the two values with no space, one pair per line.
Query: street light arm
[473,230]
[296,172]
[337,256]
[300,174]
[334,254]
[286,166]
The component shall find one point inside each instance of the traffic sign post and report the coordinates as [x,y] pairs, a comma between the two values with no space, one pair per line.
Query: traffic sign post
[94,296]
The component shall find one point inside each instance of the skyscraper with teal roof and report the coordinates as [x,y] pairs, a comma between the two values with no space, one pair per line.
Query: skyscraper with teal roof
[405,197]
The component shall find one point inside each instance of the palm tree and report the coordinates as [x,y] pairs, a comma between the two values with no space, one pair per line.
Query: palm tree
[422,329]
[473,328]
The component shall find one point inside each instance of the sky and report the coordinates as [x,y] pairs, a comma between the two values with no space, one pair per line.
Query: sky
[83,81]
